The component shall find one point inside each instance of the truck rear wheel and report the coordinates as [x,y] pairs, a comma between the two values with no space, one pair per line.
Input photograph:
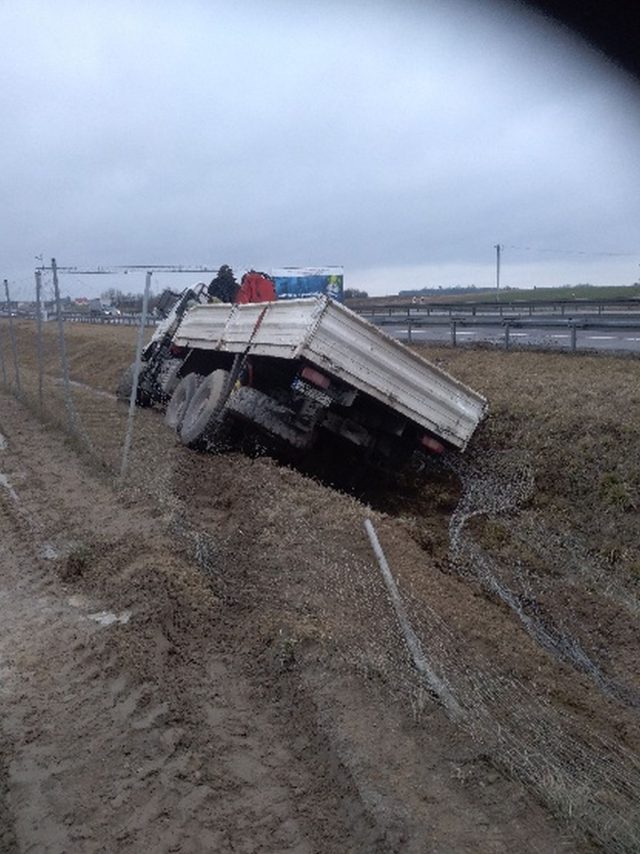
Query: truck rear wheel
[180,400]
[125,384]
[125,387]
[203,420]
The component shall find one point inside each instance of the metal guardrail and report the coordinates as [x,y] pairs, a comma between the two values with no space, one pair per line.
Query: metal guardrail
[503,309]
[99,319]
[508,324]
[516,321]
[110,319]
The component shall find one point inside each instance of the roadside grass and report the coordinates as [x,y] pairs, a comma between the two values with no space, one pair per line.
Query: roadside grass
[97,354]
[506,295]
[578,421]
[573,292]
[577,417]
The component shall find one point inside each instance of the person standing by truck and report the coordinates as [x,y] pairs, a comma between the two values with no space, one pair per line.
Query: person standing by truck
[224,286]
[256,287]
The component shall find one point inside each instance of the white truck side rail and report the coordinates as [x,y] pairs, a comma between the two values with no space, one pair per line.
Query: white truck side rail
[340,342]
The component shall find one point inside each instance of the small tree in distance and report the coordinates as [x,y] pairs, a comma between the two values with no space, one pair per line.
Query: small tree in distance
[354,293]
[127,303]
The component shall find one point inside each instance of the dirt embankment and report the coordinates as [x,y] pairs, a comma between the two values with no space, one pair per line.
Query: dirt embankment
[177,679]
[130,719]
[530,619]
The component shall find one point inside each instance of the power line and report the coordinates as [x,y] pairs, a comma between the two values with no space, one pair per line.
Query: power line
[125,268]
[575,252]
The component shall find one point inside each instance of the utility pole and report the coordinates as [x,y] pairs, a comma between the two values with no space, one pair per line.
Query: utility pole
[498,249]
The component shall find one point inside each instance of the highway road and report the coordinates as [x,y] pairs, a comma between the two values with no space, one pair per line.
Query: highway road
[557,338]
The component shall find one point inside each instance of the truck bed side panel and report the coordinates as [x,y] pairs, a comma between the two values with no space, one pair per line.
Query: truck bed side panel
[374,363]
[268,329]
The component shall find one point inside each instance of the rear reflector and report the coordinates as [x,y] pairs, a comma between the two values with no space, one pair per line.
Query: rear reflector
[432,444]
[315,377]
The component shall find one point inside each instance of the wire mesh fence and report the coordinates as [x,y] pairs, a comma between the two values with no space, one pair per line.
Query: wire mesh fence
[37,367]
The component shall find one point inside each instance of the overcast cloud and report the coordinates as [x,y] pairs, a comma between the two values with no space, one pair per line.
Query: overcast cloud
[401,140]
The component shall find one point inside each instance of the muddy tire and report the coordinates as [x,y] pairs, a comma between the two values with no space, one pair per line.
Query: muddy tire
[169,378]
[202,422]
[123,390]
[180,400]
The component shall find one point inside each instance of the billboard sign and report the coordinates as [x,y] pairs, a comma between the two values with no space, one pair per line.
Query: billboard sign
[297,282]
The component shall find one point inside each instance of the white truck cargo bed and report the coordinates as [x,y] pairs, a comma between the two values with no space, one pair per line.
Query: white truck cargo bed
[342,343]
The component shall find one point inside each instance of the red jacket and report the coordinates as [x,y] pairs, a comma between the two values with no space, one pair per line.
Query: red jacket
[256,287]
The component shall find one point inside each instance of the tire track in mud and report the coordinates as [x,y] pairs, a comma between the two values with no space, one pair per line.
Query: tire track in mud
[483,715]
[589,780]
[347,809]
[8,843]
[337,580]
[209,769]
[399,794]
[534,768]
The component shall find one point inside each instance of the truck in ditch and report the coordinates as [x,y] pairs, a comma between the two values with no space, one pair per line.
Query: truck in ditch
[301,374]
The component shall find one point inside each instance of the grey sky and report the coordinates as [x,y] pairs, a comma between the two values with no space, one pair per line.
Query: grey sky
[399,139]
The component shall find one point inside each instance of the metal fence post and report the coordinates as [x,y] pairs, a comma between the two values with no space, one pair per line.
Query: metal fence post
[39,337]
[2,364]
[453,333]
[409,337]
[12,337]
[136,378]
[574,337]
[507,337]
[71,413]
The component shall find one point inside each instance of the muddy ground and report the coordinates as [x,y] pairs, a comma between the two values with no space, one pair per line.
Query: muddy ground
[204,657]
